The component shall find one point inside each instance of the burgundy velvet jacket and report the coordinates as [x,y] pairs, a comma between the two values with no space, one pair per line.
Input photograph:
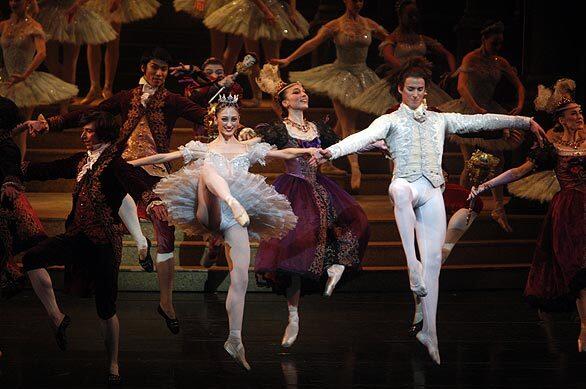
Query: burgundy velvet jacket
[9,161]
[98,195]
[162,111]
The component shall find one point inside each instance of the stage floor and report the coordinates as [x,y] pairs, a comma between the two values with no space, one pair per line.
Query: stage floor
[487,340]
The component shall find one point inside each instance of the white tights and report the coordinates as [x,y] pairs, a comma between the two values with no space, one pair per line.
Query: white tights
[129,216]
[238,254]
[419,209]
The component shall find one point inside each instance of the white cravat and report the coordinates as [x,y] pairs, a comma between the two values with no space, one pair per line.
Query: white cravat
[419,112]
[147,91]
[92,157]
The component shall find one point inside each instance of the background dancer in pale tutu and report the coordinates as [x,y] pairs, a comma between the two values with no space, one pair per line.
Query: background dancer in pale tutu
[348,76]
[199,9]
[481,71]
[261,23]
[71,23]
[332,228]
[415,138]
[404,43]
[117,12]
[215,193]
[24,50]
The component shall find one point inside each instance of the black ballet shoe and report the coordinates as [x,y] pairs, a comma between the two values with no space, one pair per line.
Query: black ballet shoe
[172,324]
[60,333]
[147,263]
[114,380]
[415,328]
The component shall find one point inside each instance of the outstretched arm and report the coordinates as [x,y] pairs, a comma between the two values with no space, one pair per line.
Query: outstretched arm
[291,153]
[310,45]
[157,158]
[378,130]
[504,178]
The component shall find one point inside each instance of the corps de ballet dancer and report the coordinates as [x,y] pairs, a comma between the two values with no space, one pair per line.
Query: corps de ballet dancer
[348,75]
[557,277]
[24,50]
[481,71]
[415,137]
[215,193]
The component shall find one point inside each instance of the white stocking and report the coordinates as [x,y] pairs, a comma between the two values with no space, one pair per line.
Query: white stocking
[129,216]
[236,237]
[456,228]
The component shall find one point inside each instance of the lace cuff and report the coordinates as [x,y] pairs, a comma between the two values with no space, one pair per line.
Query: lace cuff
[258,153]
[193,150]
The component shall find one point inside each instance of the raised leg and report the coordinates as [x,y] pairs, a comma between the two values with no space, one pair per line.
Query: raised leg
[457,227]
[129,216]
[402,195]
[431,233]
[43,287]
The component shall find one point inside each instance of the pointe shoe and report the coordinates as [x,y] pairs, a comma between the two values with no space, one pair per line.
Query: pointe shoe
[431,345]
[499,216]
[416,283]
[107,93]
[329,168]
[236,350]
[172,324]
[334,273]
[239,212]
[60,333]
[291,332]
[92,95]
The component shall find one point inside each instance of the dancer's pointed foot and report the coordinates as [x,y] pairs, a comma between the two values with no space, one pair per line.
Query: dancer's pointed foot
[92,95]
[238,211]
[235,348]
[329,168]
[334,273]
[416,282]
[430,342]
[291,332]
[107,93]
[582,340]
[172,322]
[113,378]
[355,179]
[60,332]
[499,215]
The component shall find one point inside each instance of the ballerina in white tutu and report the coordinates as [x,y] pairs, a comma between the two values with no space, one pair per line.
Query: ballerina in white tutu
[117,12]
[259,22]
[214,192]
[71,23]
[23,48]
[199,9]
[348,76]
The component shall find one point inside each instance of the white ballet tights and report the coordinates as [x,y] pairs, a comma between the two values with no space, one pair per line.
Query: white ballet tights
[129,216]
[419,209]
[238,254]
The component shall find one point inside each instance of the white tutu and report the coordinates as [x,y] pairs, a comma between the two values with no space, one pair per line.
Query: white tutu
[128,12]
[270,212]
[87,26]
[188,6]
[243,17]
[39,88]
[343,82]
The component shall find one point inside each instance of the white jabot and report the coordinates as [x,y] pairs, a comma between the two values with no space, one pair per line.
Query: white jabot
[147,91]
[92,157]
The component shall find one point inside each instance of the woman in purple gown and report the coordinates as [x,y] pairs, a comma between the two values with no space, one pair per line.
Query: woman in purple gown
[332,230]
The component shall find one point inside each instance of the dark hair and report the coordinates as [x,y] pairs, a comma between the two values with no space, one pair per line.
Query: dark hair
[280,98]
[222,106]
[10,115]
[417,67]
[401,4]
[212,61]
[106,126]
[157,53]
[492,28]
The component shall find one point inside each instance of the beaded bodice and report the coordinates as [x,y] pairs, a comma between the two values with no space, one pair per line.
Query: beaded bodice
[18,45]
[352,40]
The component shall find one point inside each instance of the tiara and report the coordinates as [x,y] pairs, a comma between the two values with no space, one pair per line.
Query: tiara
[228,100]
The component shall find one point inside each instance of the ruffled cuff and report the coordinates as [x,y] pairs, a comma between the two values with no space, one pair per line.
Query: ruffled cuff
[152,204]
